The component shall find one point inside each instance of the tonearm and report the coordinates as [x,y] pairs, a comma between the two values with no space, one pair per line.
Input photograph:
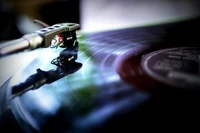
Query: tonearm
[40,38]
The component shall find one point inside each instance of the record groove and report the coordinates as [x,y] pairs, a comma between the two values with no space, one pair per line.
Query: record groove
[78,99]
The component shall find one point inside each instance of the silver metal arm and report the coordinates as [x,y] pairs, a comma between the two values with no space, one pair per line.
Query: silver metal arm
[40,38]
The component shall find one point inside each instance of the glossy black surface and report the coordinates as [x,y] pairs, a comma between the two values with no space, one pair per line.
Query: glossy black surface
[95,98]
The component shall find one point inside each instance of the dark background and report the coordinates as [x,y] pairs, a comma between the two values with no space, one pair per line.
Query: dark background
[17,15]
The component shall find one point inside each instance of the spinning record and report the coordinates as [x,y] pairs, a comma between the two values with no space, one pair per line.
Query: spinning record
[104,90]
[87,98]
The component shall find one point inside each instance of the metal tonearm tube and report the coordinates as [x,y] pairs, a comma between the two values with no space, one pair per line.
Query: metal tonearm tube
[40,38]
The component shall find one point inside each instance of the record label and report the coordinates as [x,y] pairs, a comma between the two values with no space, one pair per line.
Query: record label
[177,67]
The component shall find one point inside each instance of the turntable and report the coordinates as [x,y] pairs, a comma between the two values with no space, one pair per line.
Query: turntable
[122,80]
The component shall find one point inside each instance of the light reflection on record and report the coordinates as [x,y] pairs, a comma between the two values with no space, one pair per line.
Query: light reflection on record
[82,101]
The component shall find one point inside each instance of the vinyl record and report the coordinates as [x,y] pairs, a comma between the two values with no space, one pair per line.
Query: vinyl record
[90,97]
[105,90]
